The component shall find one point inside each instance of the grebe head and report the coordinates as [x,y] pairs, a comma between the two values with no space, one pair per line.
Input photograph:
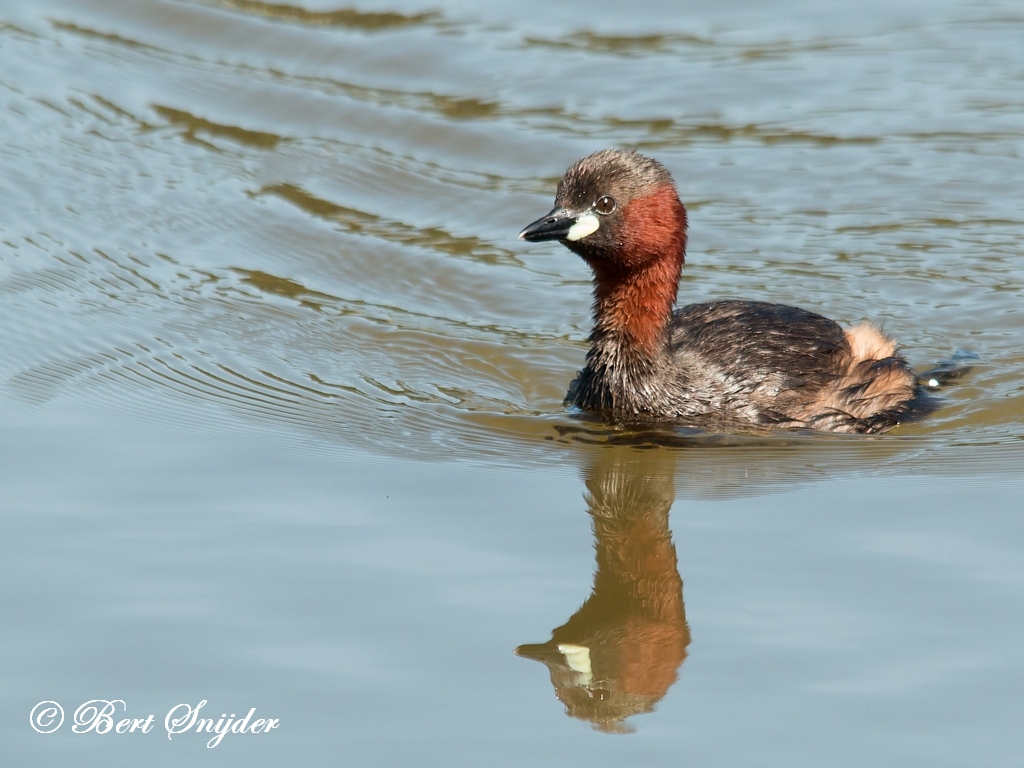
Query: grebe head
[618,210]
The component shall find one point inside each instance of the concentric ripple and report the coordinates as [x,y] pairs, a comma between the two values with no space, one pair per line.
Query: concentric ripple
[239,236]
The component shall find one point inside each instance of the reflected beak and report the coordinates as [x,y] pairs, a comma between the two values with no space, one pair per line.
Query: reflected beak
[540,652]
[554,226]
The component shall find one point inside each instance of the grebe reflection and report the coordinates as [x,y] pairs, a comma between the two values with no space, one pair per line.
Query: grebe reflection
[620,652]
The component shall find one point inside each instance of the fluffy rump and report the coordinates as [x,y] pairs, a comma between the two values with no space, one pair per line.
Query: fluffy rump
[874,390]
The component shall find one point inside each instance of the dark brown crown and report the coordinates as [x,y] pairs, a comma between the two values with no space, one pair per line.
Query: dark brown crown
[621,174]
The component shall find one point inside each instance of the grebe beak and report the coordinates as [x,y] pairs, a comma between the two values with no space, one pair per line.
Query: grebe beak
[554,226]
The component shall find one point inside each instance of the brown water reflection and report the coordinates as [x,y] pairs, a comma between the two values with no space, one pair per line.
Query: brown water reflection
[620,652]
[351,18]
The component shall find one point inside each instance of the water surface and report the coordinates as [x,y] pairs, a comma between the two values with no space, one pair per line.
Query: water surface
[282,420]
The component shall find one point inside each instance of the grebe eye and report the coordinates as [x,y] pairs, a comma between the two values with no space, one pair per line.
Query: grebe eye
[605,205]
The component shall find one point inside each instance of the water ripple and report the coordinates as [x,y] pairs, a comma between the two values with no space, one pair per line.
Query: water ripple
[350,18]
[309,224]
[362,222]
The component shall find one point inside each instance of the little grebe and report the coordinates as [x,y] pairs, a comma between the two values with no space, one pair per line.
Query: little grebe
[747,362]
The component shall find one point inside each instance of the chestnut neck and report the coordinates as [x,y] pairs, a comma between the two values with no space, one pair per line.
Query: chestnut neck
[635,287]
